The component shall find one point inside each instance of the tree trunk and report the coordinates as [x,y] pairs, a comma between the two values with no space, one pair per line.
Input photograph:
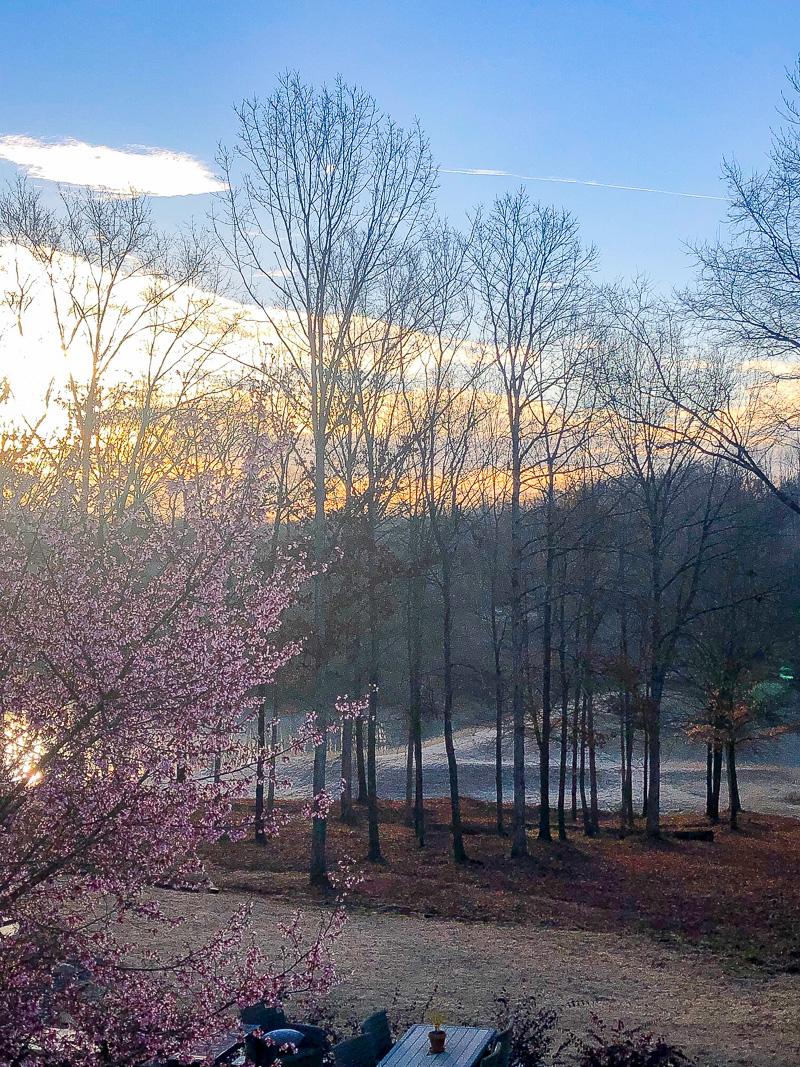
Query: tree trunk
[588,828]
[374,854]
[564,748]
[654,759]
[713,779]
[498,717]
[415,597]
[623,774]
[629,756]
[547,672]
[626,725]
[733,787]
[519,839]
[261,726]
[318,868]
[592,742]
[419,802]
[716,780]
[655,687]
[273,742]
[645,773]
[575,735]
[459,854]
[408,808]
[361,762]
[346,809]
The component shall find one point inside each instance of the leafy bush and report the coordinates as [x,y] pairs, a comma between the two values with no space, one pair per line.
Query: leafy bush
[533,1029]
[618,1046]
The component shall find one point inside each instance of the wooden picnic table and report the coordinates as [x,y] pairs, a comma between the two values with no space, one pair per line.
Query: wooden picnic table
[464,1046]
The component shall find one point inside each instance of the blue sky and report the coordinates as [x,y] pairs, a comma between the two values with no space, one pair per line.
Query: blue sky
[646,93]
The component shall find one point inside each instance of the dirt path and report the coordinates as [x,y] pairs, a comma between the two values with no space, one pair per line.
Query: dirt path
[717,1018]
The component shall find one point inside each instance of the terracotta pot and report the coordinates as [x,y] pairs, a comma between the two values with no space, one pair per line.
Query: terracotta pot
[437,1039]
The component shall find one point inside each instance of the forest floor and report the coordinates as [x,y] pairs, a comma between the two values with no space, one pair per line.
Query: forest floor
[697,940]
[738,896]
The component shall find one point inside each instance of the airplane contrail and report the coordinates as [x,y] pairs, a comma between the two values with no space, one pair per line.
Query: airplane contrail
[579,181]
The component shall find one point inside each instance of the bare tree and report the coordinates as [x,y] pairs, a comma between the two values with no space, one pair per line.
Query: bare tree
[442,413]
[674,497]
[488,528]
[331,194]
[742,391]
[530,273]
[107,286]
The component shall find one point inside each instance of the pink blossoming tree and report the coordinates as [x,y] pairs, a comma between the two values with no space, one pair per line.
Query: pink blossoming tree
[131,654]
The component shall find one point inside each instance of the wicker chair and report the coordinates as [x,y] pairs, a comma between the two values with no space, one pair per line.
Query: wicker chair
[376,1027]
[356,1052]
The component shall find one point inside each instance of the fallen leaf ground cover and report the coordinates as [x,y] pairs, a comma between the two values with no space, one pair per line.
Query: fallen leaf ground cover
[739,895]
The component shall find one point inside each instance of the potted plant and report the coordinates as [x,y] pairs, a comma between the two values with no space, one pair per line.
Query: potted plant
[437,1035]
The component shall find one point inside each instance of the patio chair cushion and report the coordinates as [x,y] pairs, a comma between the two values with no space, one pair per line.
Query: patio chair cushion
[357,1052]
[268,1019]
[286,1036]
[264,1053]
[376,1026]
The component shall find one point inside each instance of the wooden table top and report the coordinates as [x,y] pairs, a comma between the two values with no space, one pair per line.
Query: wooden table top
[464,1046]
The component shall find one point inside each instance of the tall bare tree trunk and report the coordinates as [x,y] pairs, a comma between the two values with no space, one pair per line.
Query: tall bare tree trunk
[626,749]
[346,809]
[261,727]
[415,681]
[273,742]
[588,827]
[519,838]
[592,743]
[733,787]
[318,869]
[498,707]
[716,781]
[346,813]
[629,756]
[654,758]
[564,748]
[547,670]
[575,736]
[623,774]
[459,854]
[361,763]
[408,808]
[374,854]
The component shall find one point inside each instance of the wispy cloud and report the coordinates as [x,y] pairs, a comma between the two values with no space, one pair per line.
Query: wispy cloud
[578,181]
[152,171]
